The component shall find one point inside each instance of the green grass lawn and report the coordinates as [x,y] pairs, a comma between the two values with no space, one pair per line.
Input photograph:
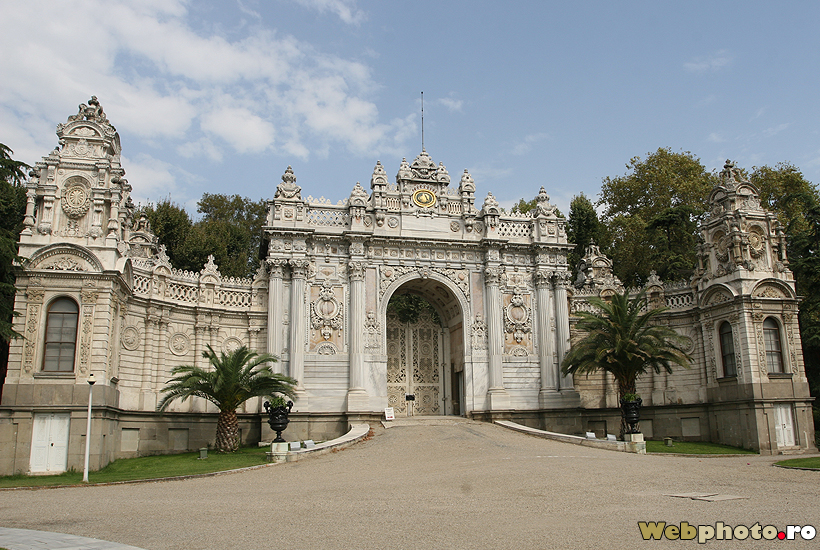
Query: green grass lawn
[810,462]
[148,467]
[695,448]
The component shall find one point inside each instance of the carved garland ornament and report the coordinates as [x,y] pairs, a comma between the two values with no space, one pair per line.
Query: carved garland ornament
[518,317]
[326,313]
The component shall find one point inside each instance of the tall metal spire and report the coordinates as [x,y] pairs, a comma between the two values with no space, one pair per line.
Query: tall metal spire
[422,121]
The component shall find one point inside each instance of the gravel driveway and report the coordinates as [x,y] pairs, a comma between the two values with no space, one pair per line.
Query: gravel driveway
[459,485]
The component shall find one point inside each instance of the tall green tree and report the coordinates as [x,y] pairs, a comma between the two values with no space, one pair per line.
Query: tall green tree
[583,228]
[233,378]
[636,211]
[12,211]
[172,225]
[621,339]
[230,230]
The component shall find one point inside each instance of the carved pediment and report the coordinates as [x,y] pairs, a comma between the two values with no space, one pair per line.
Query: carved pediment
[64,257]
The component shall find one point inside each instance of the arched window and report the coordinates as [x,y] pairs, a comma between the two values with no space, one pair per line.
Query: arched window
[61,335]
[771,340]
[727,350]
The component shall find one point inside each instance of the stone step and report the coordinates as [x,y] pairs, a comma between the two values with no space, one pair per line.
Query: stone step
[425,421]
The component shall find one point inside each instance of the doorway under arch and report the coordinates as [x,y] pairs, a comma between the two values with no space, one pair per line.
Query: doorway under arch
[425,350]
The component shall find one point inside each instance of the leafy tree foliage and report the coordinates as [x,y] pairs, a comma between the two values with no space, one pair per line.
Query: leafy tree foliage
[230,229]
[408,307]
[12,211]
[583,228]
[172,226]
[233,379]
[640,208]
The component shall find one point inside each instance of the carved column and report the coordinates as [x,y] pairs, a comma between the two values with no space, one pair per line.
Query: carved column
[562,327]
[543,284]
[148,400]
[357,399]
[276,307]
[28,221]
[499,399]
[297,321]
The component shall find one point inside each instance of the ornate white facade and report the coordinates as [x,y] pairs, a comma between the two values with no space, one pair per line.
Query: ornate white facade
[499,283]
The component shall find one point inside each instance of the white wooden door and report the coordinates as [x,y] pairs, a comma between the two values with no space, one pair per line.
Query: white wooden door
[49,443]
[784,425]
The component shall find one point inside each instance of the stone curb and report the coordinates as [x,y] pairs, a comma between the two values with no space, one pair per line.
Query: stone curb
[27,539]
[621,446]
[356,433]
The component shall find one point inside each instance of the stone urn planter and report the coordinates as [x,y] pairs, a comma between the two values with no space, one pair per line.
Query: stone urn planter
[631,412]
[278,417]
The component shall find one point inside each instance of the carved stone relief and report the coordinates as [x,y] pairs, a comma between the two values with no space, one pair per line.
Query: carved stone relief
[326,315]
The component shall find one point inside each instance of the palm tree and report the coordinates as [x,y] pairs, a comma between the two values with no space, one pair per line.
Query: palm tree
[235,378]
[621,339]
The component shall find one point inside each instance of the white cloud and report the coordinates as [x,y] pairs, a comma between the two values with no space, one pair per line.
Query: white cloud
[157,179]
[345,9]
[245,131]
[159,78]
[202,147]
[715,138]
[774,130]
[712,62]
[450,103]
[525,146]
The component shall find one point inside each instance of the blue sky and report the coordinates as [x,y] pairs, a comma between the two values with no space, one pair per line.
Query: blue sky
[221,97]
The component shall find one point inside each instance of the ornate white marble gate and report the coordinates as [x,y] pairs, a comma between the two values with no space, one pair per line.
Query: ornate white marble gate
[415,365]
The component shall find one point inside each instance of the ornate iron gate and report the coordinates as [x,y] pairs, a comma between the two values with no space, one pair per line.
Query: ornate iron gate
[414,364]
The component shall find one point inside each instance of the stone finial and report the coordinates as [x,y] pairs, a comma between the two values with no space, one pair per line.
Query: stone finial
[288,188]
[730,175]
[542,205]
[490,206]
[210,267]
[404,171]
[442,175]
[358,197]
[423,167]
[379,177]
[93,112]
[467,185]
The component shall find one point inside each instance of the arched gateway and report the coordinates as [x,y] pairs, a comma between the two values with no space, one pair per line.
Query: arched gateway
[498,283]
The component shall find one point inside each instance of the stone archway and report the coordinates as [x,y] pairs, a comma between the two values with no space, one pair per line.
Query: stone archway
[425,357]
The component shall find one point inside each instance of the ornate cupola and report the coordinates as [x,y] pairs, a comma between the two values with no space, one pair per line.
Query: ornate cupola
[77,194]
[739,237]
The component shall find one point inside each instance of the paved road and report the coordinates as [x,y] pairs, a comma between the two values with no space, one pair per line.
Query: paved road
[464,485]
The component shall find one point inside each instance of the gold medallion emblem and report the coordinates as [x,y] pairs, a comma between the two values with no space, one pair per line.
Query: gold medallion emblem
[424,198]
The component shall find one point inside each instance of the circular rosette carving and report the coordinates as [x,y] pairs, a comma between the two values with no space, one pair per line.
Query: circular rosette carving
[130,338]
[231,344]
[179,344]
[756,242]
[76,199]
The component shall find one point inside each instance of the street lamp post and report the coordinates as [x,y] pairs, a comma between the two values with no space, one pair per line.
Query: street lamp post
[91,381]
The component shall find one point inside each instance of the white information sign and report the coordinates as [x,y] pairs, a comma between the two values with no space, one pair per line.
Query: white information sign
[389,414]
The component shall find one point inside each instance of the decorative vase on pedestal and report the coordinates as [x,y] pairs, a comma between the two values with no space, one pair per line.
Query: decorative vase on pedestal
[631,412]
[278,419]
